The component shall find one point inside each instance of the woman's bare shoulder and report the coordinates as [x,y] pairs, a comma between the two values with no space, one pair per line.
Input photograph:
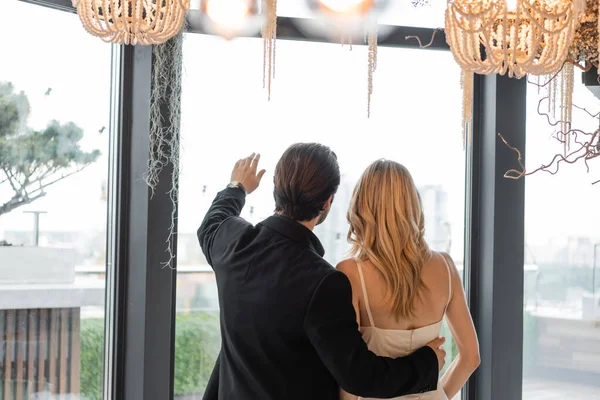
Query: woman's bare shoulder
[441,257]
[347,266]
[445,263]
[350,269]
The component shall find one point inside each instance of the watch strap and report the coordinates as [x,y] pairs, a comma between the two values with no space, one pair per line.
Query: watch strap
[238,185]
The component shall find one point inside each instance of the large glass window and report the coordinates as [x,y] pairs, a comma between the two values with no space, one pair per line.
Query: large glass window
[562,292]
[319,94]
[54,114]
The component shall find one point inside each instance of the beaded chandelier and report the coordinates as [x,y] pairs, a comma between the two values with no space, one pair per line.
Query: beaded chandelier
[132,22]
[489,36]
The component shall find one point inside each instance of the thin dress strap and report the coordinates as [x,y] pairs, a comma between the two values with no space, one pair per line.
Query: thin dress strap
[364,289]
[449,281]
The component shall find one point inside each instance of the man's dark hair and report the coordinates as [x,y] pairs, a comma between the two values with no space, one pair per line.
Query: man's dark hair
[306,175]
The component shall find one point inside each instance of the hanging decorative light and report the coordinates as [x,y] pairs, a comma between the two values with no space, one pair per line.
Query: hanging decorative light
[348,20]
[345,7]
[232,18]
[132,21]
[346,12]
[518,37]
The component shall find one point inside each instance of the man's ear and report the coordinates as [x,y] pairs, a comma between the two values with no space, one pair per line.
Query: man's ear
[328,202]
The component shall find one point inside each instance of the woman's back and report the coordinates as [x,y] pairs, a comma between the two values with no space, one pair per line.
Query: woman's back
[429,306]
[387,335]
[401,289]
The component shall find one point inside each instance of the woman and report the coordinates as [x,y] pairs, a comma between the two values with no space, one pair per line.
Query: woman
[401,289]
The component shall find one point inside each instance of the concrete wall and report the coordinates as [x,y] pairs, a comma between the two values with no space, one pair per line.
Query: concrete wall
[36,265]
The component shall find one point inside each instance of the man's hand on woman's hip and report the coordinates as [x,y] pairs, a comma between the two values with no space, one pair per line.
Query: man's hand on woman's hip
[437,346]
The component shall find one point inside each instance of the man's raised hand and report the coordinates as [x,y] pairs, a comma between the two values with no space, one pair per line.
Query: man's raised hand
[245,173]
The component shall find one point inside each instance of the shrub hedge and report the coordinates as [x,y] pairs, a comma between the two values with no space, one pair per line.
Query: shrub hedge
[197,343]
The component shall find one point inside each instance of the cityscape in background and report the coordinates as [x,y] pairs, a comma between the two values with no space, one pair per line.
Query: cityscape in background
[563,270]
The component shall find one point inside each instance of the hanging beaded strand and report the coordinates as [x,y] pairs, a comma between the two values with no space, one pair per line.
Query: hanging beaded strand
[372,63]
[346,40]
[551,83]
[466,84]
[269,35]
[554,94]
[566,106]
[559,91]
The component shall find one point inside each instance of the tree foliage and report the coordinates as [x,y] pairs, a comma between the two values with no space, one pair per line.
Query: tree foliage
[197,344]
[31,160]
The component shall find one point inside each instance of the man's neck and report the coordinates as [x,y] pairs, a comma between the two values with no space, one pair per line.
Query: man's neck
[309,224]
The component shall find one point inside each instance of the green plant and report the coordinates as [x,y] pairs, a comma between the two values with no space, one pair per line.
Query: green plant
[92,353]
[197,344]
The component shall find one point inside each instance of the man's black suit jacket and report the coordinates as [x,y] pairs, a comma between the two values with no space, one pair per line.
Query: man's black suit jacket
[288,326]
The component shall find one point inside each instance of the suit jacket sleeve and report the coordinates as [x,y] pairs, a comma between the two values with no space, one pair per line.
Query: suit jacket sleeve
[212,387]
[227,204]
[330,324]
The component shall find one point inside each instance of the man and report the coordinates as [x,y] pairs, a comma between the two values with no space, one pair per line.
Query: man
[288,326]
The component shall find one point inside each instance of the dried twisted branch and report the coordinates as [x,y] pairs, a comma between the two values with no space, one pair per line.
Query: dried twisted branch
[586,151]
[586,145]
[421,45]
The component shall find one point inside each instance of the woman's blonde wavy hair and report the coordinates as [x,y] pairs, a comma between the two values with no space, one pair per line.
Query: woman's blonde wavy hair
[387,227]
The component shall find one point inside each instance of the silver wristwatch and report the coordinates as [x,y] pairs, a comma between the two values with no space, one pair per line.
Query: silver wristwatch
[236,184]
